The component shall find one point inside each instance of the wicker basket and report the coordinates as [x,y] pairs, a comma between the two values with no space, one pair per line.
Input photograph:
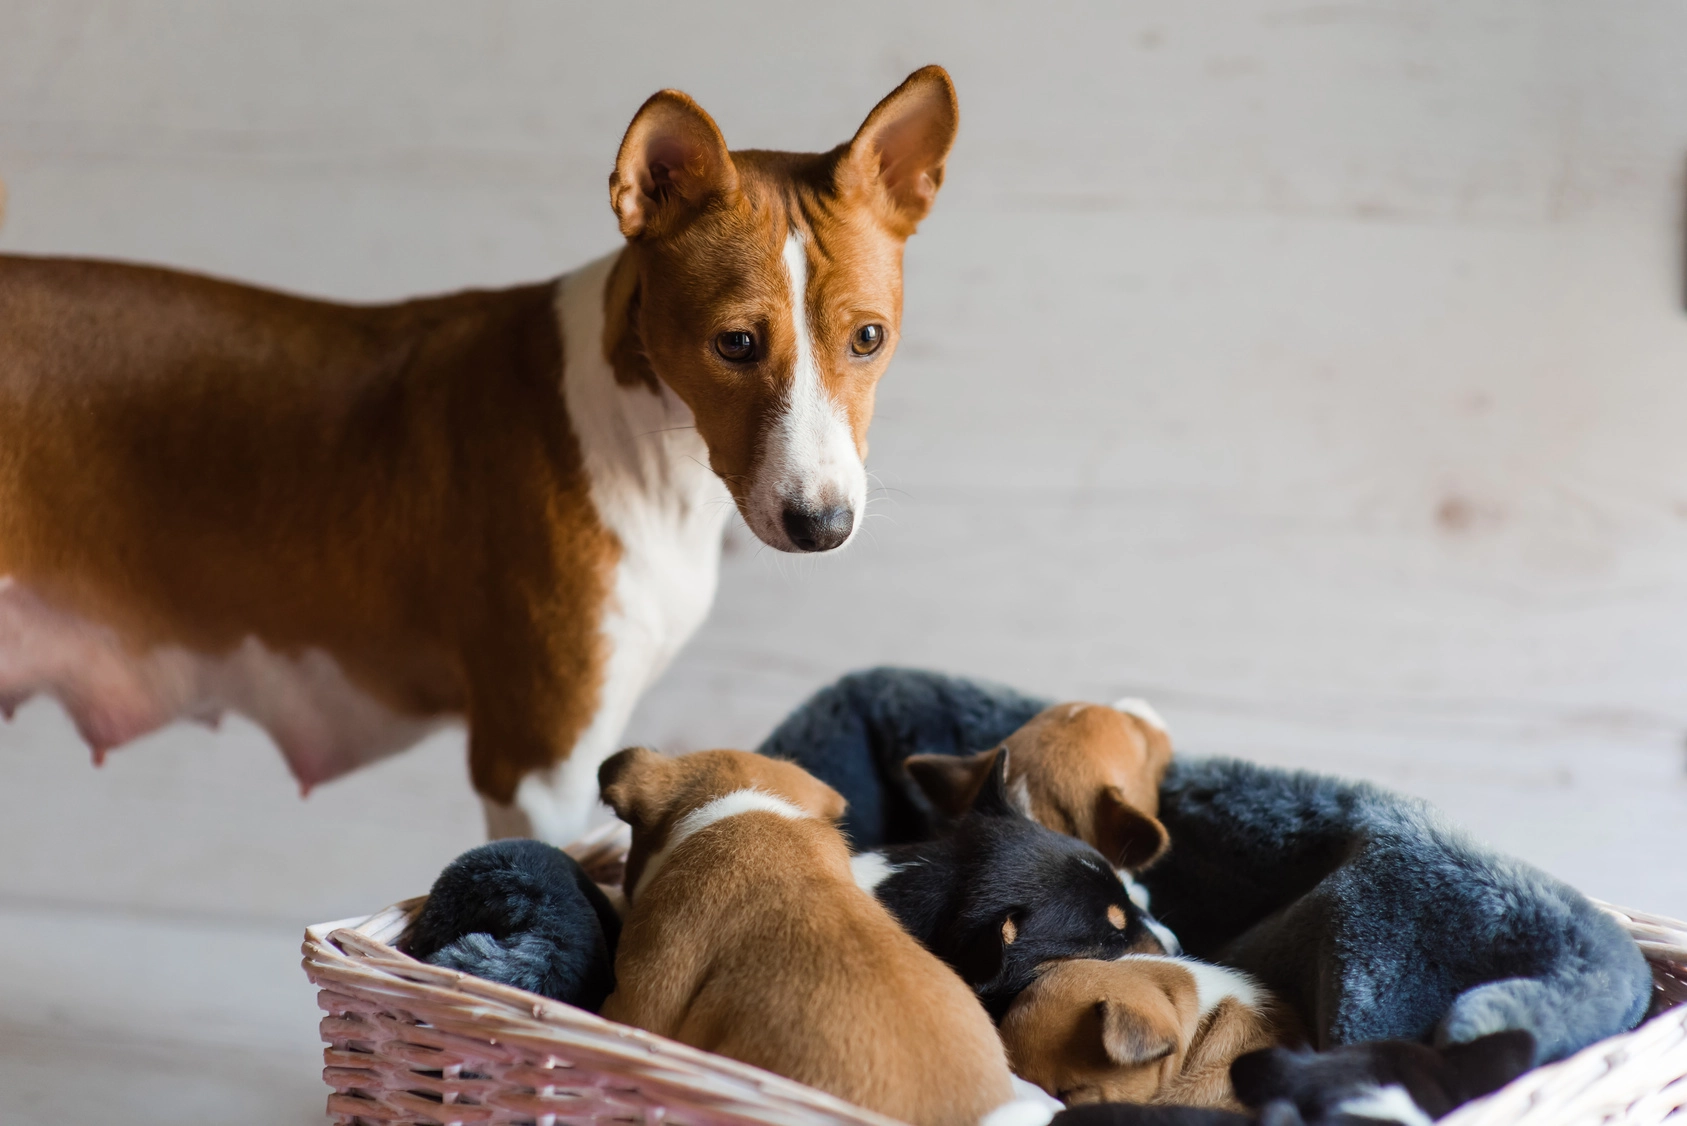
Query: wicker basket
[413,1043]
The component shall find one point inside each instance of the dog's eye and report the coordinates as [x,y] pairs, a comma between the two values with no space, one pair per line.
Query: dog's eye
[736,345]
[867,340]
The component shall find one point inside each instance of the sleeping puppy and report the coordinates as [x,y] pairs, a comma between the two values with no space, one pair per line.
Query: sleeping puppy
[1141,1029]
[521,913]
[1383,1080]
[1091,771]
[746,935]
[997,896]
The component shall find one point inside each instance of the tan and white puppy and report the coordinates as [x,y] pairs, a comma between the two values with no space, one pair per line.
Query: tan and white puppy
[1142,1029]
[1091,771]
[351,523]
[747,936]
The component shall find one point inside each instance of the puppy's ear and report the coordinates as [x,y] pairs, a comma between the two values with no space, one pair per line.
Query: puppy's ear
[1128,1038]
[981,959]
[1258,1077]
[633,783]
[1126,836]
[1489,1062]
[992,799]
[898,154]
[673,160]
[832,804]
[950,781]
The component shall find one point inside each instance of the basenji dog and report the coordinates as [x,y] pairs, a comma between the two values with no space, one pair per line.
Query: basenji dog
[997,896]
[747,936]
[350,523]
[1091,771]
[1140,1029]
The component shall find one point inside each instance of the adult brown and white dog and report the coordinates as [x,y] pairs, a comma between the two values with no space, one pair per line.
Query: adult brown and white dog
[350,523]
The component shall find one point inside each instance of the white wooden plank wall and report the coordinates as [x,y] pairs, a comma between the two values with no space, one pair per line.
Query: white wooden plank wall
[1318,370]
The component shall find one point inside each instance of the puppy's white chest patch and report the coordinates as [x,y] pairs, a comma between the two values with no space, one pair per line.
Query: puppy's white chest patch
[324,724]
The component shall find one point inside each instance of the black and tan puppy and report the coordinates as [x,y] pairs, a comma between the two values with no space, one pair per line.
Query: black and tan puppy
[997,895]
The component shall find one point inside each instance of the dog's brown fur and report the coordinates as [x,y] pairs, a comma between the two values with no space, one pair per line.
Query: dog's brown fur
[1133,1031]
[1087,770]
[188,464]
[752,940]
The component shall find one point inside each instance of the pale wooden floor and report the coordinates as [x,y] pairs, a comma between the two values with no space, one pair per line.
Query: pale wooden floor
[1313,370]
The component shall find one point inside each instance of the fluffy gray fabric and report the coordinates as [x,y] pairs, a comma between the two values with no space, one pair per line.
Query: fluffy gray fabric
[1381,921]
[1366,911]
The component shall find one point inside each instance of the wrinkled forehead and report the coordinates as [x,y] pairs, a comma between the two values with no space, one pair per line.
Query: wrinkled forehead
[737,249]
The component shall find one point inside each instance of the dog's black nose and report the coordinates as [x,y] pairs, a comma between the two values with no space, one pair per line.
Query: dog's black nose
[820,529]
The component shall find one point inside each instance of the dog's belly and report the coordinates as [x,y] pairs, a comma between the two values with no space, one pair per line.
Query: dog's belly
[324,724]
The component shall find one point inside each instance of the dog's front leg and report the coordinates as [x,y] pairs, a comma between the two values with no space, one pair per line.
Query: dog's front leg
[538,733]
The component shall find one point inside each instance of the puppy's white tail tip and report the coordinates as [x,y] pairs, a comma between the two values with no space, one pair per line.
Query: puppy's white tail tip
[1030,1106]
[1141,709]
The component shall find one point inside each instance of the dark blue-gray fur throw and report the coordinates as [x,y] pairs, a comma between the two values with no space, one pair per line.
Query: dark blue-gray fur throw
[521,913]
[1362,908]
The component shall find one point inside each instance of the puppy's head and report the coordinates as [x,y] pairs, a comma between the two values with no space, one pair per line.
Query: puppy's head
[1092,1031]
[1032,896]
[652,793]
[765,289]
[1367,1080]
[1087,770]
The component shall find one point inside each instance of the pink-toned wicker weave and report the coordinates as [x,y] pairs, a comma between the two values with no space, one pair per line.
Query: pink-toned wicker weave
[412,1043]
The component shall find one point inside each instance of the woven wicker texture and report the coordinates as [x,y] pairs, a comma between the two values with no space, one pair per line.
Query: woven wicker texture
[412,1043]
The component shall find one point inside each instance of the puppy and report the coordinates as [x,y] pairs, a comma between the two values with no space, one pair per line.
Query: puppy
[997,895]
[1091,771]
[747,936]
[1384,1080]
[521,913]
[1141,1029]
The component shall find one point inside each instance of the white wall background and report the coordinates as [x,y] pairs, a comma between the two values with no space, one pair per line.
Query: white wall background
[1318,370]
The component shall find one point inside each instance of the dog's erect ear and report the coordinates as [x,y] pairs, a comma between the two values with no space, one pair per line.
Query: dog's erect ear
[672,161]
[1489,1062]
[1127,1037]
[950,781]
[898,154]
[1126,836]
[992,799]
[633,783]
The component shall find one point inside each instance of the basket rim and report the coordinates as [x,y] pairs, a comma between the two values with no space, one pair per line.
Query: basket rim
[359,954]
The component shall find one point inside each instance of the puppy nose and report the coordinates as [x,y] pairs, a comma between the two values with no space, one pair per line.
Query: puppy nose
[819,529]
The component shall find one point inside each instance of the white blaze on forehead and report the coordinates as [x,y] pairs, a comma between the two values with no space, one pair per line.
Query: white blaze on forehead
[1141,709]
[810,460]
[727,805]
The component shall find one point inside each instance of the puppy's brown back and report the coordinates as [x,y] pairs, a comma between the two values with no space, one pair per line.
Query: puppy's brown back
[754,942]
